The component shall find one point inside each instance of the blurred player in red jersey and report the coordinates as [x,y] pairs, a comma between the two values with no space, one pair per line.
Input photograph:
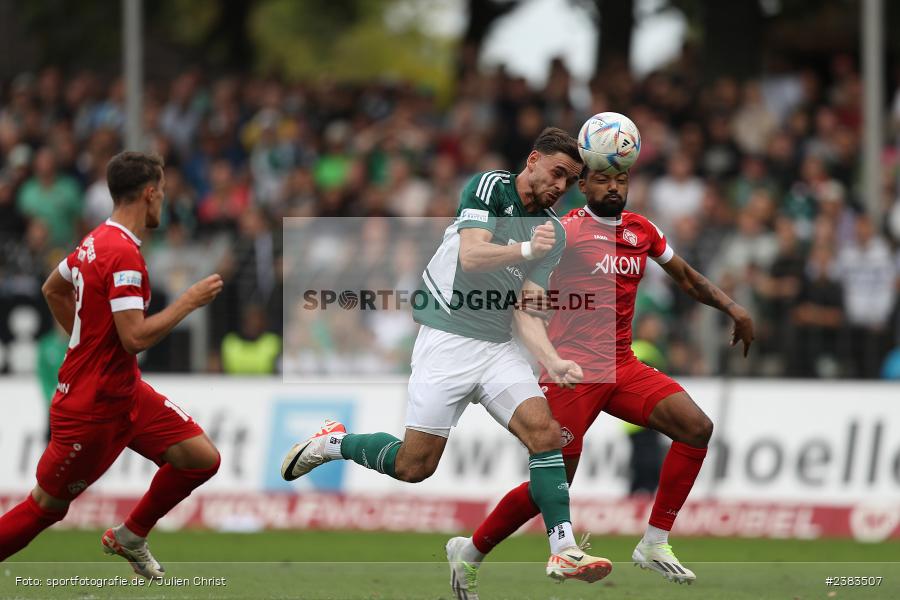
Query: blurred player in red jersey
[99,294]
[606,251]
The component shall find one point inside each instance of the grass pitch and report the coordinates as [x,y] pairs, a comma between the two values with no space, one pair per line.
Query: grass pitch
[388,566]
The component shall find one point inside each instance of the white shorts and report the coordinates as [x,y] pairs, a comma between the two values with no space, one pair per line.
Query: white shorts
[450,371]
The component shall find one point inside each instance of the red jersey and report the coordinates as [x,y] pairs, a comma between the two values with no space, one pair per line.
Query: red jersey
[98,377]
[596,284]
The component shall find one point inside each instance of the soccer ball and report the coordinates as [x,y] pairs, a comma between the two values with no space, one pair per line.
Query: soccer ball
[609,142]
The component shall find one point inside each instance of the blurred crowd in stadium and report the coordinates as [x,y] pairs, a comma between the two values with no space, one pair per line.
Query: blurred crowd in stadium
[755,183]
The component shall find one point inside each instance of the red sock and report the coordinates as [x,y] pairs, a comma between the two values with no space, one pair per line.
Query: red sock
[514,510]
[23,523]
[169,487]
[679,471]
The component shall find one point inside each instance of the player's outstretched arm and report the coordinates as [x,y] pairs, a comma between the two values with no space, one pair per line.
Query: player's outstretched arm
[533,332]
[137,333]
[701,289]
[477,254]
[60,296]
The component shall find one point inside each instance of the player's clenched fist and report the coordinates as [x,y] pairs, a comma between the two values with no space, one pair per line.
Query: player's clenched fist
[203,292]
[543,239]
[565,373]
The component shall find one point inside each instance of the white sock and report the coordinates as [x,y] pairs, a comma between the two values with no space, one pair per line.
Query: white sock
[127,537]
[655,536]
[333,445]
[471,554]
[561,537]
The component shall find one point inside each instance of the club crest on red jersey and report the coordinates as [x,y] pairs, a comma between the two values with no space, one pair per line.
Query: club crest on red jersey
[630,237]
[77,487]
[567,437]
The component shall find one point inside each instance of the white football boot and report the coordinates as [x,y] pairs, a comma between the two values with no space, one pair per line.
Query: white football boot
[305,456]
[660,558]
[138,556]
[463,575]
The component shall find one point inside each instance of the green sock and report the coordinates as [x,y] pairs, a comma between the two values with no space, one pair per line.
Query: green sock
[376,451]
[549,488]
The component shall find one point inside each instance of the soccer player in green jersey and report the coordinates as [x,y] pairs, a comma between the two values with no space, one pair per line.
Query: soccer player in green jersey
[506,237]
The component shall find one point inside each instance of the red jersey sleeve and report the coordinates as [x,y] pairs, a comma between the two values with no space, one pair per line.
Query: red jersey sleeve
[126,281]
[66,264]
[660,250]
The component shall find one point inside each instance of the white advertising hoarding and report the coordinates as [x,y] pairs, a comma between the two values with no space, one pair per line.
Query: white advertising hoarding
[827,442]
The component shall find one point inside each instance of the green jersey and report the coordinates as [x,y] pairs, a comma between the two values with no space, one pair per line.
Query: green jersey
[480,305]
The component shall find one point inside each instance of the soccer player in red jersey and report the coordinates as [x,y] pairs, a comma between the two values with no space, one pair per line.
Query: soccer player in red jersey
[98,294]
[605,258]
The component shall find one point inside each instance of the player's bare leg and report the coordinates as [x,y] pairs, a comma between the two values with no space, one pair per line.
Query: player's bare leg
[186,465]
[533,423]
[418,456]
[535,426]
[681,419]
[193,453]
[48,502]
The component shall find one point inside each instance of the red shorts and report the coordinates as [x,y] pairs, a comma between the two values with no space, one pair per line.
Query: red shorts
[80,452]
[632,397]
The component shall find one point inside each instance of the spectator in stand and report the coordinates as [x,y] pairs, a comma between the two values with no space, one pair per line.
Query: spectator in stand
[253,351]
[228,197]
[23,258]
[834,209]
[299,195]
[869,277]
[753,124]
[181,115]
[781,161]
[109,112]
[18,166]
[753,176]
[255,254]
[181,204]
[818,317]
[12,223]
[778,290]
[822,144]
[333,166]
[12,114]
[752,245]
[271,155]
[53,198]
[721,156]
[802,200]
[408,195]
[678,193]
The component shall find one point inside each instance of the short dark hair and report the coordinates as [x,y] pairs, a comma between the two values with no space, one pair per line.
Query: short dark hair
[128,173]
[553,140]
